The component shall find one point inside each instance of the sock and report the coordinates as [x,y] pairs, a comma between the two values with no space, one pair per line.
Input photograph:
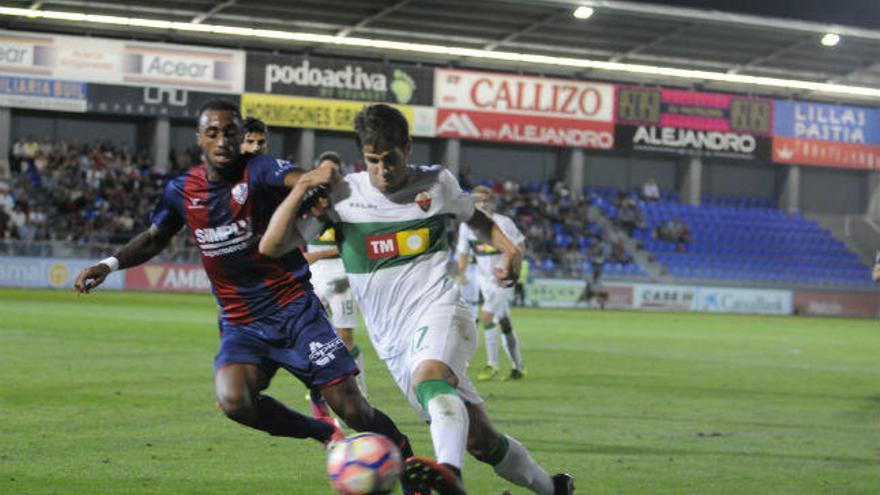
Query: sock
[277,420]
[319,404]
[360,379]
[449,420]
[384,425]
[511,348]
[491,344]
[514,463]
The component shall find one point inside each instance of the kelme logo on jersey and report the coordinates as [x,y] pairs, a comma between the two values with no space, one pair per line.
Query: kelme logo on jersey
[423,199]
[240,193]
[404,243]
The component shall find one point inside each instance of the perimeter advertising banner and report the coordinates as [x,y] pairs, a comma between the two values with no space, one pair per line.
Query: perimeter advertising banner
[836,304]
[43,94]
[151,101]
[693,123]
[561,293]
[748,301]
[518,109]
[826,135]
[171,277]
[566,293]
[320,113]
[48,273]
[106,61]
[339,79]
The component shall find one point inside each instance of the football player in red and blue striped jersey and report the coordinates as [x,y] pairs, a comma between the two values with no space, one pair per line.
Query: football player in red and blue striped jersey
[269,316]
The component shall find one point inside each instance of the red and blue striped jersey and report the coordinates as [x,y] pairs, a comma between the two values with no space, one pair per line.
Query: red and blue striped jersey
[226,220]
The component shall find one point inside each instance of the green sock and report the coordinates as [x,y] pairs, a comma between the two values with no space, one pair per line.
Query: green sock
[428,389]
[498,453]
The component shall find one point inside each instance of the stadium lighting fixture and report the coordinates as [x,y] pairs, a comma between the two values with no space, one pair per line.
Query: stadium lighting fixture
[830,39]
[583,12]
[475,53]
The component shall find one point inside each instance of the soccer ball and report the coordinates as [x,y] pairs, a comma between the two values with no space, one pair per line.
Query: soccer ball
[366,463]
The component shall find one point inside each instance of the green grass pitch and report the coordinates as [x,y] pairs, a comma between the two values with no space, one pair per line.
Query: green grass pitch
[112,394]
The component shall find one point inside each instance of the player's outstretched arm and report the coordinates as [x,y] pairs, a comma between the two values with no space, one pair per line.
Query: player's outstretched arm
[282,234]
[138,250]
[487,230]
[313,256]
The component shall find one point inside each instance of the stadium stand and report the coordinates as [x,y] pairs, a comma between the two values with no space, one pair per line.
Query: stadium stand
[747,239]
[561,230]
[73,199]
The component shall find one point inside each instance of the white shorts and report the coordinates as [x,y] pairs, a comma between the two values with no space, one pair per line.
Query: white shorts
[443,333]
[496,300]
[336,297]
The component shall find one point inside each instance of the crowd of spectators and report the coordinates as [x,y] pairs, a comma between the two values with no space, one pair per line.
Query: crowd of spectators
[564,232]
[103,193]
[83,193]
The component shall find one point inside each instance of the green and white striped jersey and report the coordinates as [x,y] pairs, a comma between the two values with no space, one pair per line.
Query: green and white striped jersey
[395,248]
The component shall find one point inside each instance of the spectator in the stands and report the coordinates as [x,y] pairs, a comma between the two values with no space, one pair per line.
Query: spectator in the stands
[617,240]
[629,217]
[650,190]
[17,156]
[674,231]
[466,179]
[31,147]
[598,254]
[4,224]
[571,260]
[46,147]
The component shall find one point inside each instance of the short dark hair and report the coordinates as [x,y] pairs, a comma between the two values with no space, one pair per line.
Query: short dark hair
[252,124]
[382,127]
[221,104]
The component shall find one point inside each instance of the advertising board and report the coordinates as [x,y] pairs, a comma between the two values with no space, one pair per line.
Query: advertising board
[171,277]
[693,123]
[153,101]
[320,113]
[48,273]
[107,61]
[339,79]
[42,94]
[519,109]
[820,134]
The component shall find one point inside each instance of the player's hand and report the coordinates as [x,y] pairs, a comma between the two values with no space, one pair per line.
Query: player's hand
[324,174]
[90,278]
[507,272]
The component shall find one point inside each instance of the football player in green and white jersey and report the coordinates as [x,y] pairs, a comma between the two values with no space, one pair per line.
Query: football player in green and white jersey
[390,226]
[496,299]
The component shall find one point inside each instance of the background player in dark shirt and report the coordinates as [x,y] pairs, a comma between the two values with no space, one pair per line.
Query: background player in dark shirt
[256,137]
[269,315]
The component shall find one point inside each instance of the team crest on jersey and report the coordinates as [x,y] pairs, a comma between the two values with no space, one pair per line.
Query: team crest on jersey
[423,199]
[240,193]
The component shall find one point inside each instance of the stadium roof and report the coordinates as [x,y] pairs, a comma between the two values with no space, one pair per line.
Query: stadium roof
[620,32]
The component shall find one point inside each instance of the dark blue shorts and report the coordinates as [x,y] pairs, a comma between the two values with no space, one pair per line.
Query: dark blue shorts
[299,338]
